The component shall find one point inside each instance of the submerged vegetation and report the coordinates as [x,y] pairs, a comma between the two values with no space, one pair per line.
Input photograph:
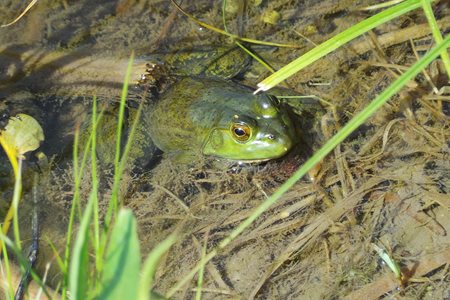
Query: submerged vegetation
[357,201]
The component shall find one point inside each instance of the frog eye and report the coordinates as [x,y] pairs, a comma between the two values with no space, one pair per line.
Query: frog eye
[241,131]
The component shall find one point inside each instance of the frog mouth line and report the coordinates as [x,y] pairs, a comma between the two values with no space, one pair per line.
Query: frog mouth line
[243,161]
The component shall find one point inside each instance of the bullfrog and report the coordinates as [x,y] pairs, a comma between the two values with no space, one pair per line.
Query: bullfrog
[223,119]
[194,108]
[207,114]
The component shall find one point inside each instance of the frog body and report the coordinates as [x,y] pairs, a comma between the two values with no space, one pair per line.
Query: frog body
[207,114]
[212,117]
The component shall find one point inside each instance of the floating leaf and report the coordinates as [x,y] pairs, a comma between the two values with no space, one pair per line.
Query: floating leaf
[22,134]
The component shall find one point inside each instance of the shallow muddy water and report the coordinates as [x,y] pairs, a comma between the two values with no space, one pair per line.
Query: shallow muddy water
[388,184]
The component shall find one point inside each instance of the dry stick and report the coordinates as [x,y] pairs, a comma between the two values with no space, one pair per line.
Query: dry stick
[168,24]
[400,36]
[29,6]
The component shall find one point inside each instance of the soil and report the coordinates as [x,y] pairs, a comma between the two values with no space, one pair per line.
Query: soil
[387,185]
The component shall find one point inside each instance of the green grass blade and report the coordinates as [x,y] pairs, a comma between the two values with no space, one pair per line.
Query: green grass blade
[78,169]
[114,203]
[8,291]
[119,167]
[96,223]
[79,269]
[15,202]
[201,272]
[123,97]
[336,42]
[426,5]
[79,266]
[58,258]
[120,278]
[126,151]
[149,269]
[117,175]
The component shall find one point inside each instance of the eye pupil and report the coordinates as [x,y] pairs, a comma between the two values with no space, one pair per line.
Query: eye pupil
[239,131]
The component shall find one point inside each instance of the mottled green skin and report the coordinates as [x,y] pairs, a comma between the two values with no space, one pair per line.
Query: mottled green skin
[219,62]
[195,115]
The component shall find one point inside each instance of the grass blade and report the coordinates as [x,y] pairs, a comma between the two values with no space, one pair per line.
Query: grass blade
[120,277]
[150,265]
[79,269]
[426,5]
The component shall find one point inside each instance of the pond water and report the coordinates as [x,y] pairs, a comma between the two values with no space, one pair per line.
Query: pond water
[388,184]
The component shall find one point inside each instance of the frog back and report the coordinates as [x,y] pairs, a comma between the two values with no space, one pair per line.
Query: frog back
[170,125]
[182,119]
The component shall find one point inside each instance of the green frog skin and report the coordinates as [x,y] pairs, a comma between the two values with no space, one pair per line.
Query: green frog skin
[212,117]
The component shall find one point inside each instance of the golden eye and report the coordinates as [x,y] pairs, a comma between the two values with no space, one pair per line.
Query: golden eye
[241,132]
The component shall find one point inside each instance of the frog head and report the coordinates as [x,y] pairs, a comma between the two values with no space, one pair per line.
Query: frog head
[262,132]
